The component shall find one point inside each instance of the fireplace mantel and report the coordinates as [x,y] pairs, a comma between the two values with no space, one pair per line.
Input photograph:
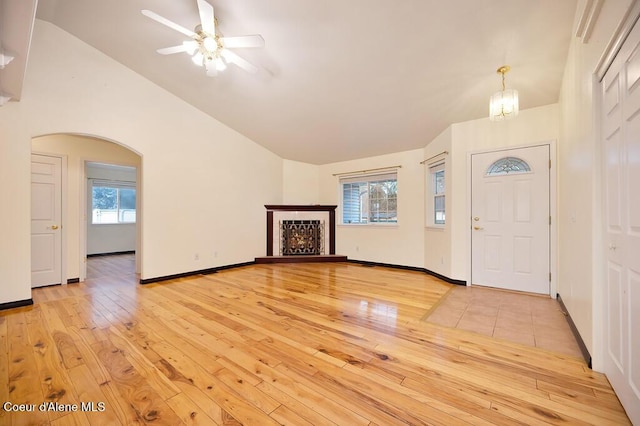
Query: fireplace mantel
[331,210]
[302,208]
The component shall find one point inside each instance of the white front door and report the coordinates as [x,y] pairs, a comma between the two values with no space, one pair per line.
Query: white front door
[510,219]
[621,152]
[46,218]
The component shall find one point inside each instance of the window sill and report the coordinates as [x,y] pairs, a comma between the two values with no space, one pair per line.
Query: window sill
[368,225]
[435,228]
[113,224]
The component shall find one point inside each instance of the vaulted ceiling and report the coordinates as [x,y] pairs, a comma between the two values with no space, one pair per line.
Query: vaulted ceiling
[341,79]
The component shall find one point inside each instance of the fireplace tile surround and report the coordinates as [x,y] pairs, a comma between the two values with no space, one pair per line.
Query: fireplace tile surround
[325,214]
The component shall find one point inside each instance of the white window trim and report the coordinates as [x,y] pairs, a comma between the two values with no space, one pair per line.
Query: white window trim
[430,198]
[119,184]
[366,177]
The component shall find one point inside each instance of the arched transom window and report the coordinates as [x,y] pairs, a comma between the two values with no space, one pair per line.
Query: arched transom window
[507,166]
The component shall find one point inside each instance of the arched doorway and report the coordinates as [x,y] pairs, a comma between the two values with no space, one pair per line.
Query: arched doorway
[76,151]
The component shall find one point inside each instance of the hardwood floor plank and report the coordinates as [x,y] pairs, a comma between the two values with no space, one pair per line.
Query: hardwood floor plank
[300,344]
[144,367]
[65,345]
[55,383]
[301,406]
[287,417]
[24,384]
[183,406]
[202,403]
[4,367]
[237,407]
[89,391]
[314,396]
[248,391]
[134,389]
[73,419]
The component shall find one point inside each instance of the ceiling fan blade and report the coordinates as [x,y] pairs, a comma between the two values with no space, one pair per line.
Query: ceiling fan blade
[174,49]
[207,18]
[243,41]
[242,63]
[168,23]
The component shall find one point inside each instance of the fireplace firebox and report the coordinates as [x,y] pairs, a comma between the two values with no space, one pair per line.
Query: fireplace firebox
[301,237]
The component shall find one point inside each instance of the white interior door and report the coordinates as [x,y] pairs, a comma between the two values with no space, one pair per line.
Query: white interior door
[46,218]
[621,153]
[510,219]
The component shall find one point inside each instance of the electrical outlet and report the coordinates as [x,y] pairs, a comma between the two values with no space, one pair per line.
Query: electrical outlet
[357,248]
[215,254]
[196,256]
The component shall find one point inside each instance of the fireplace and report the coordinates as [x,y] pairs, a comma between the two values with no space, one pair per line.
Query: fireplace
[301,233]
[301,237]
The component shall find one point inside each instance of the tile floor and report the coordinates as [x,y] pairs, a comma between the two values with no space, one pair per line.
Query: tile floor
[522,318]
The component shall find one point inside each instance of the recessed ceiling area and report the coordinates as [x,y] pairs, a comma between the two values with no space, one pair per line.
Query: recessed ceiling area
[340,80]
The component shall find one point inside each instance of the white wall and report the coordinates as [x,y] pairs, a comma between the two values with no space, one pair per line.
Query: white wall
[300,183]
[111,237]
[204,185]
[580,249]
[401,244]
[78,149]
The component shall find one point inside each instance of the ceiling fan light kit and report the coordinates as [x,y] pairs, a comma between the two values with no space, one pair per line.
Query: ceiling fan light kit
[4,98]
[503,105]
[5,58]
[207,48]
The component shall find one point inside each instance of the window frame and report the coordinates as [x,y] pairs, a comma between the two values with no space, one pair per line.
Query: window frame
[498,167]
[367,180]
[433,194]
[118,186]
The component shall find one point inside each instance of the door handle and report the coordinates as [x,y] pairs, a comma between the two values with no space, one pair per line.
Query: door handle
[477,228]
[54,227]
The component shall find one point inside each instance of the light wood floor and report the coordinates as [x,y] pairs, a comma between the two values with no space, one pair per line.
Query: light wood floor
[298,344]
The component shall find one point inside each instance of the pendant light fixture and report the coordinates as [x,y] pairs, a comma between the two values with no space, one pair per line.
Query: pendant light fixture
[503,104]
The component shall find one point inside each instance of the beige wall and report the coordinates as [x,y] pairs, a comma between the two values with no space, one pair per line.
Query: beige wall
[209,182]
[580,248]
[401,244]
[15,191]
[300,183]
[78,149]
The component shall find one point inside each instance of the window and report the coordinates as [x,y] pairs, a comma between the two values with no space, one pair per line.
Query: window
[113,202]
[370,199]
[508,165]
[436,195]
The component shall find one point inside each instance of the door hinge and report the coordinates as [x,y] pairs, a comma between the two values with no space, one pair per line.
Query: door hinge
[549,163]
[549,220]
[549,276]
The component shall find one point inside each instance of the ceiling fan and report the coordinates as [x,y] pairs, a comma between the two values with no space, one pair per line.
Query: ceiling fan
[206,47]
